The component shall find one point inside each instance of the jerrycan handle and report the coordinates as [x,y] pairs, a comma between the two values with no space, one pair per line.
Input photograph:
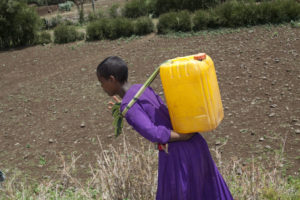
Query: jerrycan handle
[200,56]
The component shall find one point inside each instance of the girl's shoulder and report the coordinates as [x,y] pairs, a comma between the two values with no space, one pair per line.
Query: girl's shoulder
[133,90]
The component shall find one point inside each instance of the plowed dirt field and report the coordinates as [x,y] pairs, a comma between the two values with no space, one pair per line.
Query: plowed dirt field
[51,103]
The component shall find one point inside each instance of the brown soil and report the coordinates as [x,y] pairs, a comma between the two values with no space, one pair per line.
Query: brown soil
[51,103]
[45,10]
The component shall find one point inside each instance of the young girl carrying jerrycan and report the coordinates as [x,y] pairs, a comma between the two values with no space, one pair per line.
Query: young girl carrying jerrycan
[186,170]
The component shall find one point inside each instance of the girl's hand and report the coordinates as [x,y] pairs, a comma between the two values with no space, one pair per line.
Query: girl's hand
[111,103]
[180,137]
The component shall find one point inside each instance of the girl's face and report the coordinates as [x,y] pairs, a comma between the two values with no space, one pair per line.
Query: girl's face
[110,85]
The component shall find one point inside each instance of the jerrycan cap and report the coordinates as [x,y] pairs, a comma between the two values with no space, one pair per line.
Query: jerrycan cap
[200,56]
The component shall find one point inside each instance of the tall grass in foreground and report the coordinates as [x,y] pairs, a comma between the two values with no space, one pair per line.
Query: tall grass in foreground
[127,172]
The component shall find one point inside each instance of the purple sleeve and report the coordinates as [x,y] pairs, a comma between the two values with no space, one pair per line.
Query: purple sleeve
[141,122]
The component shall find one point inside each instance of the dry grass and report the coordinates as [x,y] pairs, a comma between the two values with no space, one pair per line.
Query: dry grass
[126,172]
[259,179]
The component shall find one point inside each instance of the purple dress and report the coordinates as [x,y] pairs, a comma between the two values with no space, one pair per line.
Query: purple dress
[187,171]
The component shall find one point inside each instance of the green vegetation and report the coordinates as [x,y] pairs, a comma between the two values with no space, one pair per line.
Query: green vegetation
[52,22]
[110,25]
[43,38]
[113,11]
[113,28]
[235,14]
[228,14]
[42,161]
[93,16]
[138,8]
[65,34]
[203,19]
[19,24]
[66,6]
[119,169]
[143,26]
[163,6]
[174,21]
[119,27]
[96,30]
[135,8]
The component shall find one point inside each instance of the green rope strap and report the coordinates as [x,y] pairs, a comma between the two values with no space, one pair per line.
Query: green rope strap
[118,116]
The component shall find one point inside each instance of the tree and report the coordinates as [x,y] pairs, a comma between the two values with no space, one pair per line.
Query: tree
[18,24]
[93,5]
[79,5]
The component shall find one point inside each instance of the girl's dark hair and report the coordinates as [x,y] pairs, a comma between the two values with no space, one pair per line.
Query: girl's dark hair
[114,66]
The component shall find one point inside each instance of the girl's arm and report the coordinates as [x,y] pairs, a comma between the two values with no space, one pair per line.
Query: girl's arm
[180,137]
[137,118]
[141,122]
[148,130]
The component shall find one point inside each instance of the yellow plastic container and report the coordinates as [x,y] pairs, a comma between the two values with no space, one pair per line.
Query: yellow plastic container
[192,93]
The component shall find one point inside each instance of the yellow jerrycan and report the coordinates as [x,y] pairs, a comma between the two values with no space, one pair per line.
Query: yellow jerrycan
[192,93]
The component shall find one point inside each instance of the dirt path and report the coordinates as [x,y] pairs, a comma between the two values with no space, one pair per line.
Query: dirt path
[52,105]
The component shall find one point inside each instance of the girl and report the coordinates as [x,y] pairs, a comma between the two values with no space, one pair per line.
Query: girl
[186,170]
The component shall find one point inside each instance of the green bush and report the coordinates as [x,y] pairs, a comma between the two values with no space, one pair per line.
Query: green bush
[204,19]
[69,22]
[97,30]
[143,26]
[236,13]
[113,11]
[166,23]
[65,34]
[109,28]
[184,21]
[66,6]
[19,24]
[120,27]
[246,14]
[93,16]
[135,8]
[174,21]
[224,11]
[233,13]
[52,22]
[163,6]
[43,38]
[292,9]
[80,36]
[278,11]
[214,19]
[150,7]
[55,21]
[200,20]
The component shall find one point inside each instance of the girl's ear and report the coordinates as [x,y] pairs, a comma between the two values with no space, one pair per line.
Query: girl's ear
[112,78]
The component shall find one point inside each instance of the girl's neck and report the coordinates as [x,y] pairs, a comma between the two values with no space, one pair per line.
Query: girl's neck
[124,89]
